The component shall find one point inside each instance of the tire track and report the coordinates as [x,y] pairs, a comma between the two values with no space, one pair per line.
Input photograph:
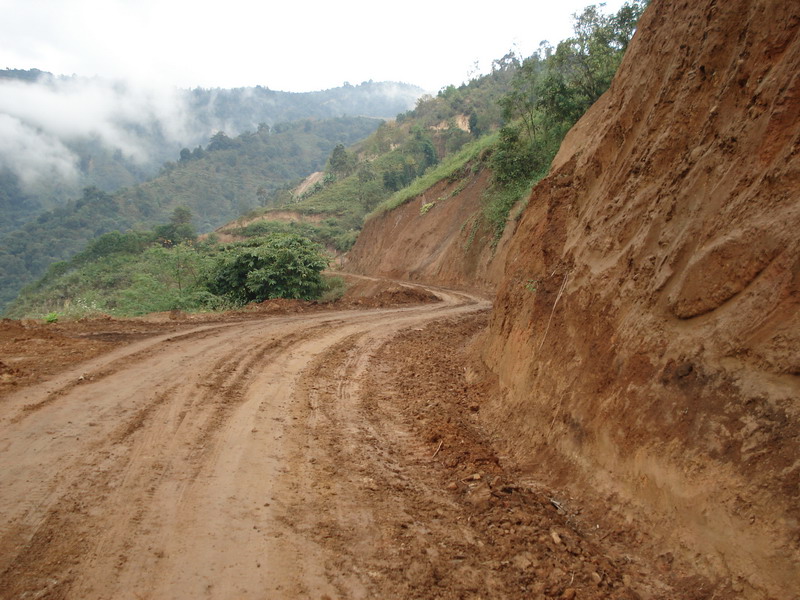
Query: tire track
[165,472]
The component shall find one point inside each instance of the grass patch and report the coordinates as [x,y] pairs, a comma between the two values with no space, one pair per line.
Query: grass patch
[445,169]
[335,288]
[498,202]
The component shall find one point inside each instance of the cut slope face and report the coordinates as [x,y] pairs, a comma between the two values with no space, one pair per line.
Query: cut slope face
[438,237]
[647,331]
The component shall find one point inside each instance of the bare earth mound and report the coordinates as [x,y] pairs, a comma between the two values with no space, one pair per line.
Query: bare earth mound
[445,244]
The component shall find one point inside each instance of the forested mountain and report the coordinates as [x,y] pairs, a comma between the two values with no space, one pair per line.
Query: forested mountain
[217,183]
[240,109]
[509,123]
[59,135]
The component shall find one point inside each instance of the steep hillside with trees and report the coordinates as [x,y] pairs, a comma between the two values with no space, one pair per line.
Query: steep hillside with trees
[410,153]
[450,226]
[47,157]
[218,182]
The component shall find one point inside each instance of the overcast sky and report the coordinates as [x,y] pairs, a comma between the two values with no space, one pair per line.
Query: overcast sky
[292,45]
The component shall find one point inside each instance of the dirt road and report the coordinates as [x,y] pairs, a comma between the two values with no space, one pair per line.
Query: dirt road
[169,468]
[325,455]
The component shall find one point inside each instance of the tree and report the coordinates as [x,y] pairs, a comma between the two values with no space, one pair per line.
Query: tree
[220,141]
[178,230]
[262,195]
[181,216]
[341,163]
[582,67]
[522,100]
[281,265]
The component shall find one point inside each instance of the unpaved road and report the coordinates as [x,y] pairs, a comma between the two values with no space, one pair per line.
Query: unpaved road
[325,455]
[169,468]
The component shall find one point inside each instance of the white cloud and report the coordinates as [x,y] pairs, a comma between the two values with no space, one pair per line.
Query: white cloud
[39,121]
[158,45]
[292,46]
[33,154]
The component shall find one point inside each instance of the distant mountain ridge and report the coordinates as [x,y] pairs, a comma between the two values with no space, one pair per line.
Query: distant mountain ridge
[129,132]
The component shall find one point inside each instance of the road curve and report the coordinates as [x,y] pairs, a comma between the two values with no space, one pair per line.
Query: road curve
[180,466]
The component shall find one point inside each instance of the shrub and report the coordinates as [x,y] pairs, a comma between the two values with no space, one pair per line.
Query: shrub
[282,265]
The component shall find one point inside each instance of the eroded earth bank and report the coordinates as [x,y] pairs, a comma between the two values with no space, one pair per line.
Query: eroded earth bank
[644,345]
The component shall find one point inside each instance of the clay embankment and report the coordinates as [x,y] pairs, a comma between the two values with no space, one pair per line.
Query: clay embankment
[647,330]
[645,338]
[437,238]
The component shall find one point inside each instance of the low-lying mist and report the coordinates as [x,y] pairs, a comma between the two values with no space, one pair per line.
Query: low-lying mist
[46,123]
[60,133]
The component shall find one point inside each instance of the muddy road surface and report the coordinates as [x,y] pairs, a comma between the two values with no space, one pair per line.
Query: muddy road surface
[172,467]
[328,455]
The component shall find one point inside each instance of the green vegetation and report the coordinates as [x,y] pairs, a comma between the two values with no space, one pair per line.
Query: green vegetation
[196,114]
[453,167]
[550,91]
[217,184]
[282,265]
[404,157]
[510,121]
[134,273]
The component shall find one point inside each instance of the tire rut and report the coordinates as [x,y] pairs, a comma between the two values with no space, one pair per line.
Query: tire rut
[171,468]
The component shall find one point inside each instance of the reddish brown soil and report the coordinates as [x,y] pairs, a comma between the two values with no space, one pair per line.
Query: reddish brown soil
[31,351]
[170,459]
[450,244]
[644,346]
[646,335]
[330,454]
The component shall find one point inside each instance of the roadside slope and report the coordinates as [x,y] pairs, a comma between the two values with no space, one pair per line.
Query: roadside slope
[438,237]
[647,333]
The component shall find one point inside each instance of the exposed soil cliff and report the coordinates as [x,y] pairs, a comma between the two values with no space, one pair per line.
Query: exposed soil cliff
[647,331]
[436,238]
[645,340]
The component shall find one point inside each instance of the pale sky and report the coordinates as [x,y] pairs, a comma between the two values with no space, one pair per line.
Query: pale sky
[292,46]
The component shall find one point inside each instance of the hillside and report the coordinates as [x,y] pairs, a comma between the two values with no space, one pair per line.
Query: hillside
[218,182]
[63,134]
[440,237]
[643,347]
[252,178]
[403,151]
[432,142]
[503,127]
